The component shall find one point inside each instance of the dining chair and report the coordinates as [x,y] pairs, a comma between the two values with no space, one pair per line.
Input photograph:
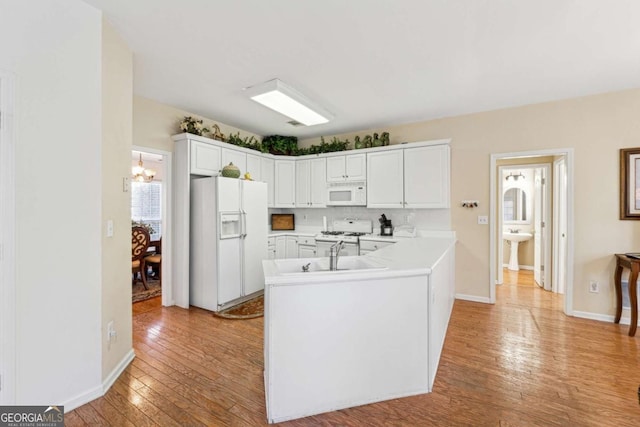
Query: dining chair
[155,260]
[140,240]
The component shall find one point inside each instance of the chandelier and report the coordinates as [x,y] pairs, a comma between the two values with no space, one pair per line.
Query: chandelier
[140,174]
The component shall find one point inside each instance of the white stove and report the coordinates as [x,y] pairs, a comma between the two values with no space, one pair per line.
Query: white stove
[347,231]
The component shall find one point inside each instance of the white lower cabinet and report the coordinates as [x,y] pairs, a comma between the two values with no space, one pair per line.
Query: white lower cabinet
[306,247]
[271,247]
[367,246]
[286,247]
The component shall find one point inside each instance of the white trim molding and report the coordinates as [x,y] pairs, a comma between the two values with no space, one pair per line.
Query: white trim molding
[473,298]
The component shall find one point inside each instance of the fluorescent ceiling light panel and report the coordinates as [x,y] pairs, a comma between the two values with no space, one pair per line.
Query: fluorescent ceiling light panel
[286,100]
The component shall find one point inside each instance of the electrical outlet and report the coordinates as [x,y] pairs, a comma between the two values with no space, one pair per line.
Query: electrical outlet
[593,286]
[483,219]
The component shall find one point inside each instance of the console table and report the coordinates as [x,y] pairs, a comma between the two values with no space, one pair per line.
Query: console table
[633,264]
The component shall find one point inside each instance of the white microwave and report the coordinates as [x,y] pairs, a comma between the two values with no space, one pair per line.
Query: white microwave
[347,194]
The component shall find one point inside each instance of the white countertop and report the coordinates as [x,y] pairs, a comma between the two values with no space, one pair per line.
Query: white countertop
[408,257]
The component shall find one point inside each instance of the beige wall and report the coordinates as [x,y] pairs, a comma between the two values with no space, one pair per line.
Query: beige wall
[117,106]
[596,127]
[154,123]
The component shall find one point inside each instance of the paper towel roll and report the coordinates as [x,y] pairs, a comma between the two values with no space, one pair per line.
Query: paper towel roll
[324,223]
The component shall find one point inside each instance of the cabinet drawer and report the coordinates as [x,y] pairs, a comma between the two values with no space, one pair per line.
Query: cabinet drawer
[373,245]
[309,241]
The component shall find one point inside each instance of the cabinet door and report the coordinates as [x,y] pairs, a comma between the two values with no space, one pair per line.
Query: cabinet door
[302,184]
[254,167]
[281,247]
[271,252]
[205,159]
[355,167]
[285,188]
[335,169]
[384,179]
[318,184]
[426,177]
[268,176]
[306,251]
[236,157]
[292,247]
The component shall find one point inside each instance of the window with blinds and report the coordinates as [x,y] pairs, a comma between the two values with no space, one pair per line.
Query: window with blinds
[146,205]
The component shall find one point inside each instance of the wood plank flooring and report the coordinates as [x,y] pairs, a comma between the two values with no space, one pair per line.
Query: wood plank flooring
[520,362]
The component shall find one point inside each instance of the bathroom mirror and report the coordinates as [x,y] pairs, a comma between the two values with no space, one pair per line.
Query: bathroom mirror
[514,206]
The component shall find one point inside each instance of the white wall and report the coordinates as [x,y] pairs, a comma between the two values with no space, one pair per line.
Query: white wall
[53,49]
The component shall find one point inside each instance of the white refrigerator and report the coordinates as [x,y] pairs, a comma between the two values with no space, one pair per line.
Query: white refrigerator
[228,241]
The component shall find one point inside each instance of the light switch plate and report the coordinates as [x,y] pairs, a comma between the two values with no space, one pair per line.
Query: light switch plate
[110,228]
[126,184]
[483,219]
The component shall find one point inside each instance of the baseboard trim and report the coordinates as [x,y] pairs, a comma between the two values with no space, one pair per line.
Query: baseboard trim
[521,267]
[473,298]
[624,320]
[100,390]
[120,367]
[83,398]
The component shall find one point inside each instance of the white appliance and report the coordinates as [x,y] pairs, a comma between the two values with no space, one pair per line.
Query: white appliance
[347,231]
[347,194]
[228,241]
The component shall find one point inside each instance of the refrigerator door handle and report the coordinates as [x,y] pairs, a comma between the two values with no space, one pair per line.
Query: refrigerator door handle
[244,224]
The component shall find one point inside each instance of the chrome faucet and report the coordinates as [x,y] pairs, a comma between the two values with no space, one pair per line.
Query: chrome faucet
[514,230]
[334,251]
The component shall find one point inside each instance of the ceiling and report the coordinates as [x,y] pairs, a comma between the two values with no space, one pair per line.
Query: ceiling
[375,63]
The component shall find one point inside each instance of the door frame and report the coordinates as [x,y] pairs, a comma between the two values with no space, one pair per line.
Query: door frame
[493,237]
[559,211]
[168,290]
[7,241]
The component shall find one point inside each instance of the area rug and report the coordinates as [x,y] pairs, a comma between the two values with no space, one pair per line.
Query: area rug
[247,310]
[140,293]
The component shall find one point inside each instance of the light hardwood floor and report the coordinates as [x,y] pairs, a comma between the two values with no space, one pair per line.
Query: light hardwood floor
[519,362]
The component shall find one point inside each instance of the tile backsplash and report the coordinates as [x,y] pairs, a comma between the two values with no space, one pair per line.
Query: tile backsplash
[423,219]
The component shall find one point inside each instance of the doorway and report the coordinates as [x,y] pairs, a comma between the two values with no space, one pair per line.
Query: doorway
[151,207]
[556,276]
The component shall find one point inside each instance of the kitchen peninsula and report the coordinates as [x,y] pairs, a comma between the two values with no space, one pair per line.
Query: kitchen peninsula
[371,331]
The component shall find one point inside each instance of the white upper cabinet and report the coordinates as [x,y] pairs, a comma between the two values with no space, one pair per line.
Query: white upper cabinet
[426,177]
[352,167]
[267,170]
[384,179]
[238,158]
[414,178]
[285,183]
[311,183]
[303,181]
[254,167]
[205,159]
[318,184]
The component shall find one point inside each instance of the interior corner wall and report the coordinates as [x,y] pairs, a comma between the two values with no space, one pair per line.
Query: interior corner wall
[596,127]
[154,123]
[52,47]
[117,132]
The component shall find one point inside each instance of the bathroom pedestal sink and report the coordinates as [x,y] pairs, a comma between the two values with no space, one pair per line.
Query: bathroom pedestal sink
[515,239]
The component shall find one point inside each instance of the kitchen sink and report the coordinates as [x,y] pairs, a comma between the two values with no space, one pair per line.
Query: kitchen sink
[346,264]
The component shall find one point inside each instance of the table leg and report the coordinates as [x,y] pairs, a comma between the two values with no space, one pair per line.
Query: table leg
[617,280]
[633,298]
